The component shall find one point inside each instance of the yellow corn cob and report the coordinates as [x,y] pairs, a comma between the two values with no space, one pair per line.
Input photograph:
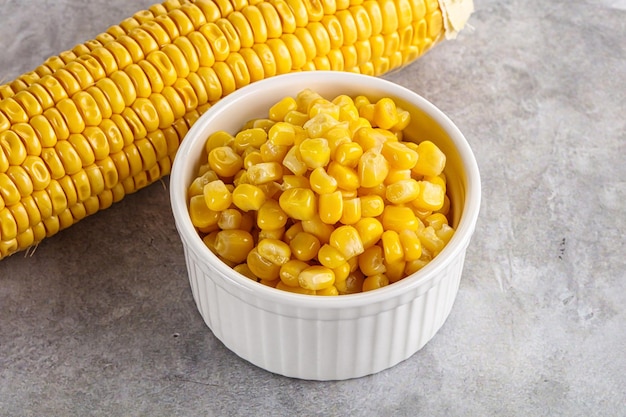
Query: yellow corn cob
[106,118]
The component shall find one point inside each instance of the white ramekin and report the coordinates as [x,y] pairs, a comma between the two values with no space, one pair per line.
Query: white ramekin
[326,338]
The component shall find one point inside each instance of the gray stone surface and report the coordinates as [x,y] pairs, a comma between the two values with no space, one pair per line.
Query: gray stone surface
[100,319]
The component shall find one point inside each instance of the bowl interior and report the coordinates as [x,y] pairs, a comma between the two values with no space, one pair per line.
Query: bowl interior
[427,122]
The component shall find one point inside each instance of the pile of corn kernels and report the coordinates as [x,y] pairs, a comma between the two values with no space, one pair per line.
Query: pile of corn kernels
[323,196]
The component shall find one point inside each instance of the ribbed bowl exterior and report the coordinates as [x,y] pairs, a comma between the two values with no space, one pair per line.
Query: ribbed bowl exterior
[327,338]
[343,348]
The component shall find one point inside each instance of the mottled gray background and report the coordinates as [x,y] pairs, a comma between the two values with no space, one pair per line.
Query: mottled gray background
[100,320]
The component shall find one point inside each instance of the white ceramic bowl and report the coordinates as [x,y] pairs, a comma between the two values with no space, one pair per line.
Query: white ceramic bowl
[326,338]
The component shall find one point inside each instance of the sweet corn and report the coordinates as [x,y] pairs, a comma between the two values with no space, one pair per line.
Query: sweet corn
[331,207]
[431,160]
[290,271]
[145,81]
[374,282]
[217,196]
[233,245]
[299,203]
[274,250]
[316,278]
[304,246]
[347,240]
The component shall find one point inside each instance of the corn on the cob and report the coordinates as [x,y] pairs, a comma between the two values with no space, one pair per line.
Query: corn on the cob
[105,119]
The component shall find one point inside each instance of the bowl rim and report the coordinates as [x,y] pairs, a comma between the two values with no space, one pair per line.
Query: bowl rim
[455,248]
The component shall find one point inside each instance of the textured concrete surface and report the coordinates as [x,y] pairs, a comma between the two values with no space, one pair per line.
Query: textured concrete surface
[100,319]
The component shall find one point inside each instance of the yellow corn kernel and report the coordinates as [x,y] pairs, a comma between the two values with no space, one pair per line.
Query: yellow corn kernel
[403,191]
[28,136]
[337,135]
[217,196]
[271,216]
[352,284]
[83,148]
[68,156]
[21,179]
[43,202]
[372,205]
[219,139]
[271,234]
[265,172]
[323,106]
[445,233]
[347,178]
[96,180]
[330,257]
[392,247]
[251,157]
[342,271]
[371,262]
[290,271]
[317,126]
[396,175]
[412,267]
[431,160]
[230,219]
[197,186]
[331,207]
[12,147]
[271,152]
[34,215]
[411,245]
[295,181]
[399,155]
[372,169]
[282,133]
[262,267]
[404,118]
[436,220]
[244,270]
[351,212]
[385,114]
[292,231]
[304,246]
[278,111]
[347,240]
[399,218]
[317,227]
[316,278]
[396,270]
[225,161]
[248,197]
[254,137]
[314,152]
[328,291]
[274,250]
[293,162]
[299,203]
[370,230]
[430,197]
[296,118]
[233,245]
[8,225]
[430,240]
[374,282]
[321,182]
[71,194]
[348,154]
[201,216]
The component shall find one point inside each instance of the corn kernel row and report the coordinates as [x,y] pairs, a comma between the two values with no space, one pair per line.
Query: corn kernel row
[336,203]
[105,119]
